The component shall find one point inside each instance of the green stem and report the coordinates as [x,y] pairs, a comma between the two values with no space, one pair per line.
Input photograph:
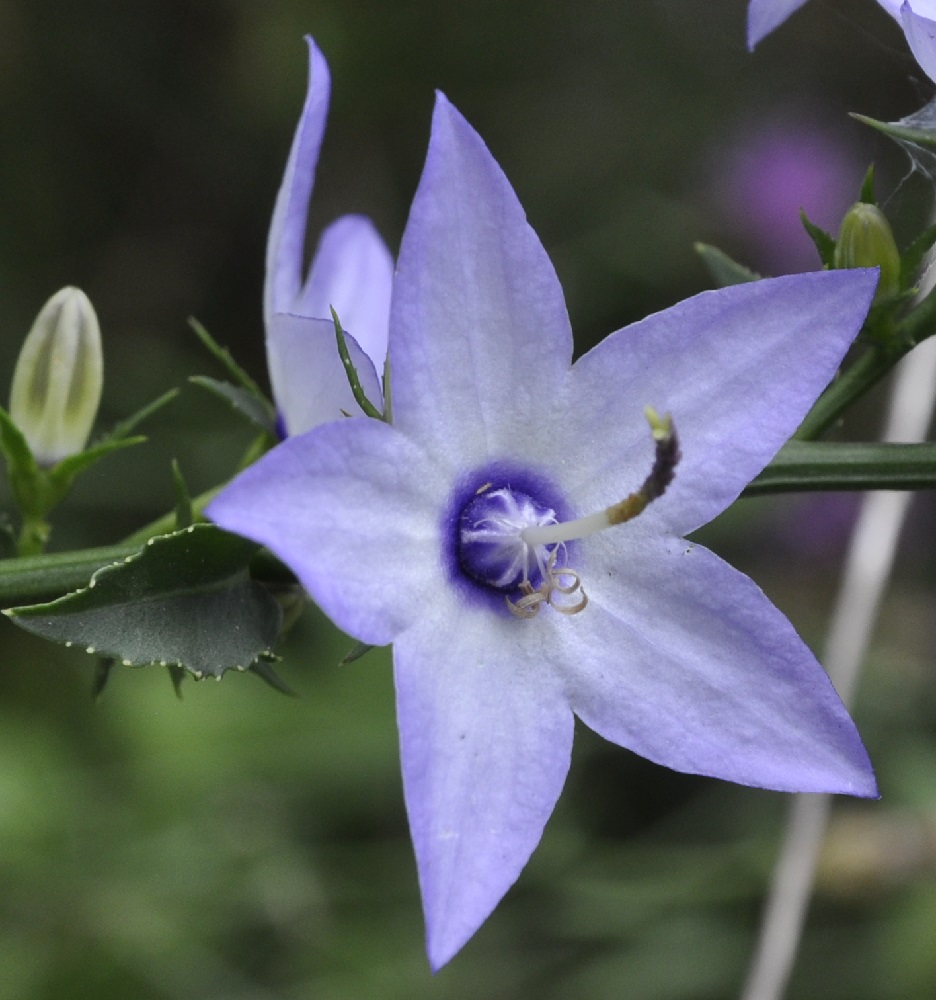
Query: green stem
[33,578]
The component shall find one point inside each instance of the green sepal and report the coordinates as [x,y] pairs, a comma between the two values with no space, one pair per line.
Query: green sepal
[912,258]
[223,356]
[355,653]
[185,599]
[351,372]
[61,476]
[128,425]
[824,242]
[867,188]
[22,469]
[916,129]
[263,668]
[724,270]
[827,465]
[184,513]
[250,406]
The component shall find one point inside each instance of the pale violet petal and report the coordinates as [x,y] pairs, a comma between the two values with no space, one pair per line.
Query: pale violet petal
[352,271]
[286,242]
[480,329]
[683,660]
[765,15]
[919,25]
[486,738]
[893,7]
[738,368]
[309,382]
[352,508]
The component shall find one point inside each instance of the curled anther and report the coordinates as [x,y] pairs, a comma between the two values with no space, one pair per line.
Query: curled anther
[534,598]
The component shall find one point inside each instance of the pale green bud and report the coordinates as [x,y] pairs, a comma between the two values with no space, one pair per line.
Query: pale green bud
[865,239]
[57,382]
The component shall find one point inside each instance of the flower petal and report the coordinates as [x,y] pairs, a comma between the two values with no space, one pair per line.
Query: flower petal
[765,15]
[479,321]
[352,271]
[921,37]
[286,242]
[738,368]
[309,382]
[486,741]
[707,676]
[352,508]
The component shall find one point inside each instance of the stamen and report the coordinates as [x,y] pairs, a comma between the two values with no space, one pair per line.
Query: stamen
[654,486]
[533,599]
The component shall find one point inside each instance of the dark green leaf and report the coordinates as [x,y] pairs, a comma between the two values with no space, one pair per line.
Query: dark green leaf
[244,402]
[722,268]
[184,599]
[823,465]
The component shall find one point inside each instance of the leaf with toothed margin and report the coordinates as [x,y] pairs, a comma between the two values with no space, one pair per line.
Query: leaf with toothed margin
[185,599]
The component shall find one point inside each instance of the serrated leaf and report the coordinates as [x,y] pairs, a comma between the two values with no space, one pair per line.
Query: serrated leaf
[824,243]
[722,268]
[244,402]
[184,599]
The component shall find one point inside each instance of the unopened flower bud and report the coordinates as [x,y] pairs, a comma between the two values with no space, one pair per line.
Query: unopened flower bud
[57,381]
[865,239]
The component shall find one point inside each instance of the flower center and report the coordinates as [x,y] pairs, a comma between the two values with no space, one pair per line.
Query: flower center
[491,546]
[513,545]
[493,549]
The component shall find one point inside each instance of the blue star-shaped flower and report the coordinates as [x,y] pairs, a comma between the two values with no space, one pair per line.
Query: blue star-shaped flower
[477,533]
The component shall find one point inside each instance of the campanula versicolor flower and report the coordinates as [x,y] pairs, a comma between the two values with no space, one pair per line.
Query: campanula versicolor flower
[351,270]
[916,17]
[490,533]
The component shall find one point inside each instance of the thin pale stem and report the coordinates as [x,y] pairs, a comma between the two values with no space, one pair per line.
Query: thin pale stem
[867,571]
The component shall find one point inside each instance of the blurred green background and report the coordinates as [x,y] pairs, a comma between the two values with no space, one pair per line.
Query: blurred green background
[240,844]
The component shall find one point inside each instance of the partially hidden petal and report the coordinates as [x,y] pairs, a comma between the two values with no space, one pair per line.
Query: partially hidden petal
[309,381]
[921,36]
[765,15]
[352,272]
[486,741]
[738,369]
[707,676]
[350,509]
[286,242]
[478,317]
